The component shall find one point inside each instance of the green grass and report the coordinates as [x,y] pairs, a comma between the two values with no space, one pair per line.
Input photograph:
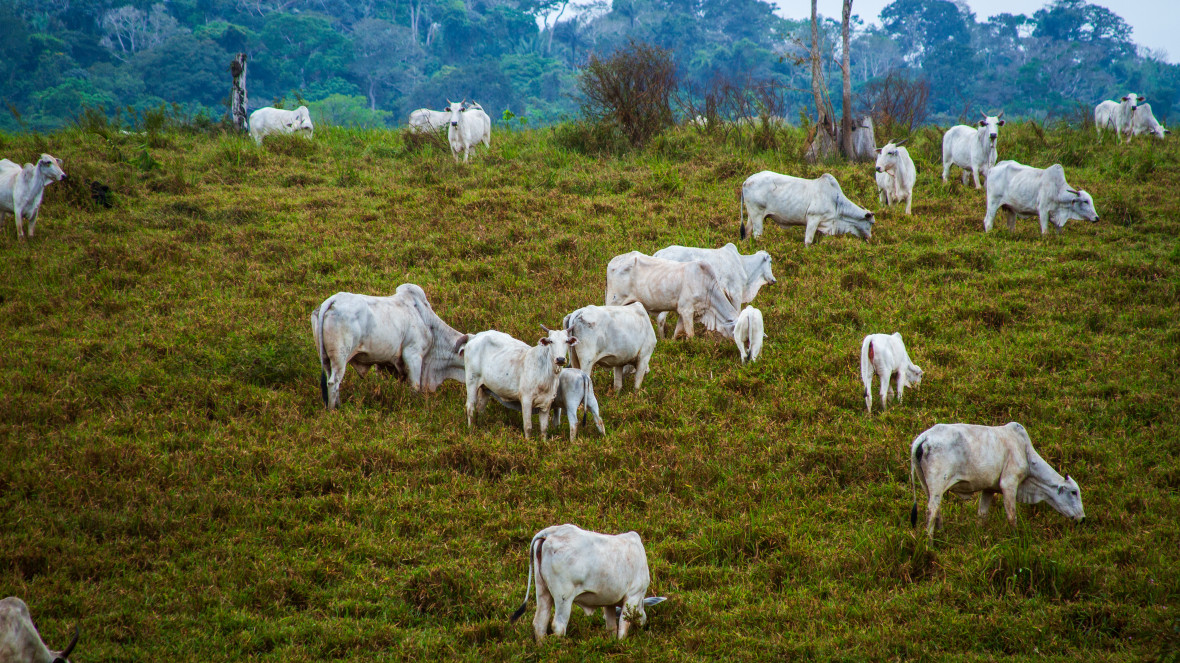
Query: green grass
[170,479]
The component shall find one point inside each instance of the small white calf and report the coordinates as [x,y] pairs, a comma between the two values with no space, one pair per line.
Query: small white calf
[497,363]
[469,126]
[965,459]
[590,570]
[748,333]
[896,175]
[885,356]
[266,121]
[1020,190]
[574,390]
[19,640]
[21,189]
[972,148]
[613,336]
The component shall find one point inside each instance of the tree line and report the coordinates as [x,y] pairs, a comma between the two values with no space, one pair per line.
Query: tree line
[370,62]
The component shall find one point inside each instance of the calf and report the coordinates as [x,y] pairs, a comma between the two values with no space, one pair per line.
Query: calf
[267,121]
[615,336]
[972,148]
[886,357]
[21,189]
[690,289]
[818,205]
[966,459]
[590,570]
[574,390]
[896,175]
[1020,190]
[495,362]
[748,333]
[19,640]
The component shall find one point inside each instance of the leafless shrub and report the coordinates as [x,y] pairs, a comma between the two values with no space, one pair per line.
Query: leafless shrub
[631,89]
[897,102]
[742,110]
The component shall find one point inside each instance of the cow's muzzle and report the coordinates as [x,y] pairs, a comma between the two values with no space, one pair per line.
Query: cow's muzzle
[993,138]
[560,361]
[454,124]
[880,169]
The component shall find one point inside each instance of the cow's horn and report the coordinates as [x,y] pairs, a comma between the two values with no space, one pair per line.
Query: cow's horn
[983,114]
[545,328]
[65,653]
[1073,191]
[1000,115]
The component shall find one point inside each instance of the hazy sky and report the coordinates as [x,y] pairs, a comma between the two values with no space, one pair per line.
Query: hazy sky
[1154,23]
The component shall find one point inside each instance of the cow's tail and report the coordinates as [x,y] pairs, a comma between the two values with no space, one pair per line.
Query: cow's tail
[325,363]
[460,344]
[915,464]
[720,314]
[741,215]
[534,545]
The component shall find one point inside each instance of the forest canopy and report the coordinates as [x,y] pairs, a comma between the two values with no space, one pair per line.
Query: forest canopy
[370,62]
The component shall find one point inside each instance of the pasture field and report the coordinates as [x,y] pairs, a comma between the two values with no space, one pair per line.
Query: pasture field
[169,477]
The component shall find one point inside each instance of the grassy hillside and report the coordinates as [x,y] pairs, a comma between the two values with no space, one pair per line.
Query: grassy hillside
[170,479]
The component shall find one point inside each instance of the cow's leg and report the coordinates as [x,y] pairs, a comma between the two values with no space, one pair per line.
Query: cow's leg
[33,221]
[989,218]
[946,168]
[338,365]
[561,615]
[932,515]
[811,228]
[868,382]
[641,370]
[611,618]
[526,408]
[660,320]
[1043,217]
[544,605]
[885,379]
[473,389]
[1008,486]
[900,385]
[571,416]
[1011,220]
[20,228]
[545,423]
[687,313]
[618,379]
[975,176]
[633,606]
[985,503]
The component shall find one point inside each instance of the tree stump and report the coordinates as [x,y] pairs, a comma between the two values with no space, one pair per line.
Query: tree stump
[237,104]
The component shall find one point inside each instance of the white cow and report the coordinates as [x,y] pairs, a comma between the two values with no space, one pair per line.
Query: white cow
[972,148]
[614,336]
[1128,111]
[1146,124]
[590,570]
[818,205]
[740,276]
[885,356]
[401,333]
[748,333]
[21,189]
[19,640]
[266,121]
[574,390]
[425,120]
[896,175]
[966,459]
[1106,116]
[1021,190]
[512,370]
[469,126]
[689,288]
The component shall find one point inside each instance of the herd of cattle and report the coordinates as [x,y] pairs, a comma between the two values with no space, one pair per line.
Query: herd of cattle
[402,334]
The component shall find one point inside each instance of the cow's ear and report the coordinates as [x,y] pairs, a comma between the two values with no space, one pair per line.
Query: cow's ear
[983,123]
[1001,123]
[1125,98]
[878,150]
[545,340]
[572,341]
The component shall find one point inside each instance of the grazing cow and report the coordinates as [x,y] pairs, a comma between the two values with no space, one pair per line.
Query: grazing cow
[886,357]
[21,643]
[864,141]
[748,333]
[21,189]
[590,570]
[971,147]
[1021,190]
[401,333]
[896,175]
[1145,123]
[689,288]
[574,390]
[966,459]
[512,370]
[425,120]
[818,205]
[740,276]
[1106,116]
[614,336]
[1128,111]
[469,126]
[266,121]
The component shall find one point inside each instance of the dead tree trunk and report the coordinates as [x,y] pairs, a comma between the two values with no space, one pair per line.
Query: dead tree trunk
[237,103]
[823,143]
[846,124]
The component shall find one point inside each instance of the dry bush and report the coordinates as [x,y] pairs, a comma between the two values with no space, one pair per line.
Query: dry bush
[744,110]
[897,102]
[630,89]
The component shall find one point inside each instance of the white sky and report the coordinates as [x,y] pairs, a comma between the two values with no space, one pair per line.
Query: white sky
[1154,23]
